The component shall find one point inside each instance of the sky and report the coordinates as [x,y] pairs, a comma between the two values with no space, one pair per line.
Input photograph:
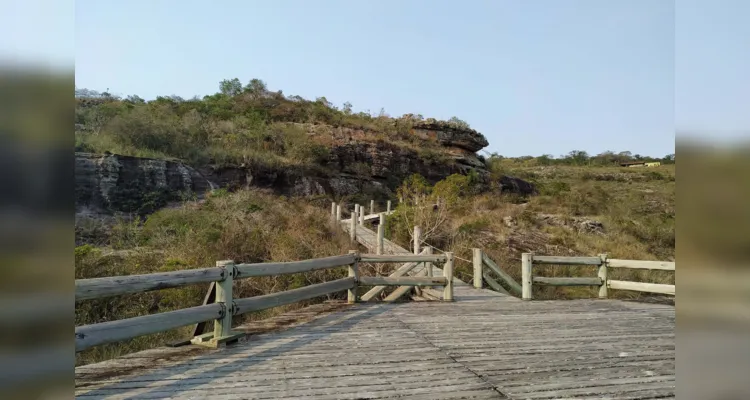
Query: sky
[534,76]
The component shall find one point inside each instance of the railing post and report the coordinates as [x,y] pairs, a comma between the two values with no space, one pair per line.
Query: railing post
[351,294]
[338,212]
[333,210]
[527,260]
[353,226]
[362,215]
[477,261]
[448,274]
[381,235]
[356,209]
[603,276]
[388,206]
[417,239]
[223,325]
[429,264]
[372,206]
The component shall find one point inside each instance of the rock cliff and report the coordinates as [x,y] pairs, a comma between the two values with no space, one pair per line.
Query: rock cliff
[109,183]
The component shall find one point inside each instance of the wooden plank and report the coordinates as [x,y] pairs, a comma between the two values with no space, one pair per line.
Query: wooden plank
[567,260]
[401,271]
[293,267]
[97,288]
[659,265]
[88,336]
[546,281]
[642,287]
[402,258]
[526,276]
[258,303]
[493,283]
[514,286]
[403,280]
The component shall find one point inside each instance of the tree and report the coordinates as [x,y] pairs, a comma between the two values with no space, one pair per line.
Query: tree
[347,108]
[230,87]
[458,123]
[257,88]
[578,157]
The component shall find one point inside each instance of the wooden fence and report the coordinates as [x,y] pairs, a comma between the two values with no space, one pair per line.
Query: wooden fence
[528,260]
[225,307]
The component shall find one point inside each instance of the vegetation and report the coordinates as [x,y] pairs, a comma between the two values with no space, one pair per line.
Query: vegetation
[239,124]
[628,214]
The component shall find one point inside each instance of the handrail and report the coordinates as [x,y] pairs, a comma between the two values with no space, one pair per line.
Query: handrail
[96,288]
[225,307]
[292,267]
[604,263]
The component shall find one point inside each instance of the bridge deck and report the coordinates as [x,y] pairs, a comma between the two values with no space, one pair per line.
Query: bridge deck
[484,345]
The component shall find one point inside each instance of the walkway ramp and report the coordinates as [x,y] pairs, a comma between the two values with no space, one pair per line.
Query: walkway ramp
[485,345]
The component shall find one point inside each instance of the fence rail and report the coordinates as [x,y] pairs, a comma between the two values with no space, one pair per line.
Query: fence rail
[225,307]
[602,281]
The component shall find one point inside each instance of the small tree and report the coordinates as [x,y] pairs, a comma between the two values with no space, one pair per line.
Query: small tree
[230,87]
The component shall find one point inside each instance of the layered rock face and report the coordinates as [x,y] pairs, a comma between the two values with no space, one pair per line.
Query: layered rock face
[114,183]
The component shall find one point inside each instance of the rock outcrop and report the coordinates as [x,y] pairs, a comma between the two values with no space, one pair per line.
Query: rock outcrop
[109,183]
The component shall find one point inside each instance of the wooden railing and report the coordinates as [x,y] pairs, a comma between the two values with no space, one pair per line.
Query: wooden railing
[528,260]
[225,307]
[481,260]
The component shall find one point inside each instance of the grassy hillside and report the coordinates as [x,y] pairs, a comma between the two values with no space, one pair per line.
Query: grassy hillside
[239,124]
[626,212]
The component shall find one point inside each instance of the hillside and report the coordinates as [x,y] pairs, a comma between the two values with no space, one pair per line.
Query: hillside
[249,174]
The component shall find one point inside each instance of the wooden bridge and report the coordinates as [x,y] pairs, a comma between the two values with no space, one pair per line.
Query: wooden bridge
[468,342]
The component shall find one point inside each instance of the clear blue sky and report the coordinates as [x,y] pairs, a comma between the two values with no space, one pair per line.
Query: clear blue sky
[535,76]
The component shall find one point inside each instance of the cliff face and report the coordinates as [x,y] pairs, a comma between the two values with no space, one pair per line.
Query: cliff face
[110,183]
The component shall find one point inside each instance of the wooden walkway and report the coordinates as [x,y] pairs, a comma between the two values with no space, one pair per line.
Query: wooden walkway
[484,345]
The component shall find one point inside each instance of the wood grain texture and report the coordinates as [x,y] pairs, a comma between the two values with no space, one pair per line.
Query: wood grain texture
[514,286]
[659,265]
[403,280]
[97,288]
[88,336]
[547,281]
[402,258]
[641,287]
[267,301]
[567,260]
[484,345]
[293,267]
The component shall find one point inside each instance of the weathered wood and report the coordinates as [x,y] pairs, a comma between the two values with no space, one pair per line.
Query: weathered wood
[338,212]
[361,215]
[526,276]
[333,210]
[602,274]
[97,288]
[642,287]
[548,281]
[372,206]
[223,326]
[388,206]
[401,271]
[512,284]
[559,260]
[88,336]
[477,264]
[428,265]
[291,267]
[401,281]
[351,294]
[267,301]
[493,283]
[381,238]
[638,264]
[448,274]
[353,225]
[399,258]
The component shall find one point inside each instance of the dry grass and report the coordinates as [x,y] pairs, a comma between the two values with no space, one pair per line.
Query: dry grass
[247,226]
